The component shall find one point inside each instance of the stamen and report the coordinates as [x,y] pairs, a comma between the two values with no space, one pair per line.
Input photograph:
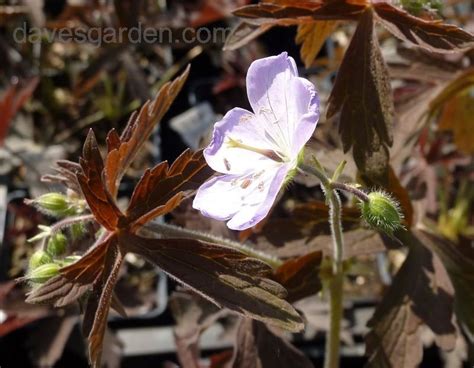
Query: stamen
[245,184]
[227,164]
[273,155]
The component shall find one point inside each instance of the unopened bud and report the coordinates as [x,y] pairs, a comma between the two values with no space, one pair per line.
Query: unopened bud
[38,258]
[43,273]
[55,204]
[382,212]
[77,230]
[57,244]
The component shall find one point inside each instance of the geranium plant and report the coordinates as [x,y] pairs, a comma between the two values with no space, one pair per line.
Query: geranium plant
[252,158]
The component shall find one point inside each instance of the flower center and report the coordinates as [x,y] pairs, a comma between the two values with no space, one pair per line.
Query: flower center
[271,154]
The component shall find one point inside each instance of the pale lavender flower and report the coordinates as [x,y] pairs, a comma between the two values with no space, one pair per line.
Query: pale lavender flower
[256,151]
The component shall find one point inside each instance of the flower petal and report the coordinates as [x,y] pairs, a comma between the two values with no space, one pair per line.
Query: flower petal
[245,200]
[259,204]
[306,107]
[278,96]
[242,126]
[218,198]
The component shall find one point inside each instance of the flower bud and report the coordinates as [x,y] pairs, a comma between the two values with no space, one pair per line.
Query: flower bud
[382,212]
[57,244]
[38,258]
[43,273]
[78,230]
[55,204]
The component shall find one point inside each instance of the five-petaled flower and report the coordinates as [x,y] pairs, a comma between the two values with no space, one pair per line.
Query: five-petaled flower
[256,151]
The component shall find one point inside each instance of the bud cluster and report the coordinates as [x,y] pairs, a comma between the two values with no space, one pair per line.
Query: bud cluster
[44,264]
[47,262]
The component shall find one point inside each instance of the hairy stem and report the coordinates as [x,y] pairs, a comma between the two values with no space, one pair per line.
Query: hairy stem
[328,184]
[335,284]
[173,231]
[68,221]
[337,280]
[351,189]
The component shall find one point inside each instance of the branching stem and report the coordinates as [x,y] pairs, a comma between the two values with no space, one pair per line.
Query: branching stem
[68,221]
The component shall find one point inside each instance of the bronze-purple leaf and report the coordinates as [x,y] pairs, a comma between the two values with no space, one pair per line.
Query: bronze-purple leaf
[258,346]
[421,293]
[193,316]
[160,185]
[361,103]
[300,276]
[98,198]
[138,130]
[66,174]
[100,309]
[428,34]
[74,280]
[459,262]
[222,275]
[324,10]
[259,18]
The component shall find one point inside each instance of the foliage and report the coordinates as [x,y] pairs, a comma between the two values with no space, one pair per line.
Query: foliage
[396,85]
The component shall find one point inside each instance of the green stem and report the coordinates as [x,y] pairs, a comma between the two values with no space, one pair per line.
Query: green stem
[351,189]
[172,231]
[68,221]
[335,284]
[337,280]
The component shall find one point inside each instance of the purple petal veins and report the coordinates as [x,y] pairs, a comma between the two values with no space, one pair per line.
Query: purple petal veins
[255,150]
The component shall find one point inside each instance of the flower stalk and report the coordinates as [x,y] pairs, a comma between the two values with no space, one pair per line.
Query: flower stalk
[337,280]
[67,222]
[335,283]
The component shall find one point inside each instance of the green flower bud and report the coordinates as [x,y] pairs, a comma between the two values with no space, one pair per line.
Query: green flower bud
[54,204]
[40,257]
[77,230]
[43,273]
[57,244]
[382,212]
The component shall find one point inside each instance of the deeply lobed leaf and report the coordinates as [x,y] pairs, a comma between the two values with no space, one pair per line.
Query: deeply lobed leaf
[222,275]
[361,103]
[160,189]
[421,293]
[99,199]
[428,34]
[123,151]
